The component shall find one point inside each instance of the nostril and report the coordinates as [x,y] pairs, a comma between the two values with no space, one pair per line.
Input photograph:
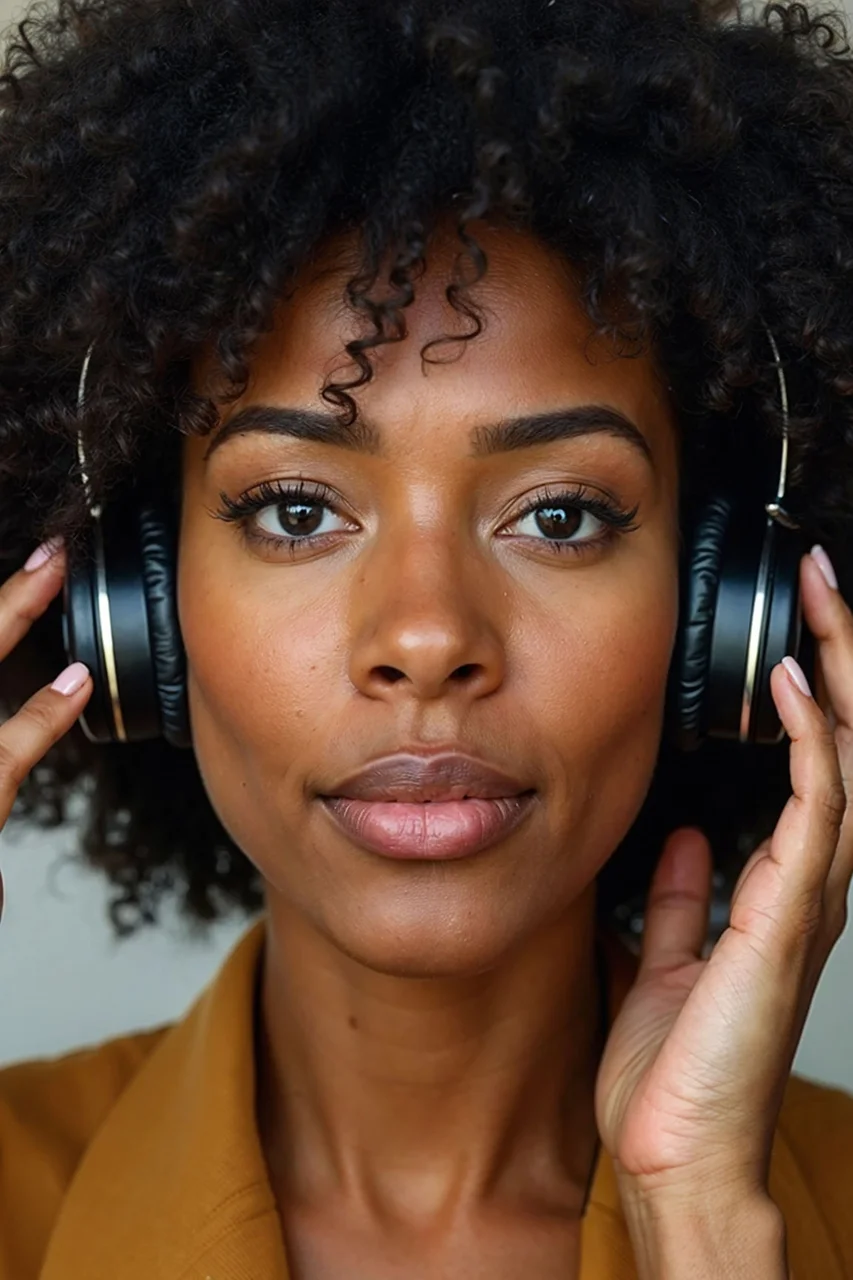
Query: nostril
[391,674]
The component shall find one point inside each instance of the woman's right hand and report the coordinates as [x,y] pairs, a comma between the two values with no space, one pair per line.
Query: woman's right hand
[27,735]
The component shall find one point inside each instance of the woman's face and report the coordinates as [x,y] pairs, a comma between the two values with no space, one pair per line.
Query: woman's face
[428,611]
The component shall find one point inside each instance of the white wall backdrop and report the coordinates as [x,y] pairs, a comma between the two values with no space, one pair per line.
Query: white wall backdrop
[65,982]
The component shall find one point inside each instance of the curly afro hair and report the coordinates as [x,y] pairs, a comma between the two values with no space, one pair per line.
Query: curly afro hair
[166,168]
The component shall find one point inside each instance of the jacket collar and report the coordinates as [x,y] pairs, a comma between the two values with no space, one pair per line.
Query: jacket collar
[174,1184]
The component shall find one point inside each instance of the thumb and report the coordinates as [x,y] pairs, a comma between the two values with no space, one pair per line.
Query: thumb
[679,901]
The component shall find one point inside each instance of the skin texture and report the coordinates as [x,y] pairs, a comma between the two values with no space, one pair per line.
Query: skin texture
[550,666]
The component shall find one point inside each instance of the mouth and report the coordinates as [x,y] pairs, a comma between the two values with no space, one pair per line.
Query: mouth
[429,805]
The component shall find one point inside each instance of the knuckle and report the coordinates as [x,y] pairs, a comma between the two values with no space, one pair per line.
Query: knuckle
[808,920]
[11,766]
[15,602]
[41,715]
[833,802]
[825,734]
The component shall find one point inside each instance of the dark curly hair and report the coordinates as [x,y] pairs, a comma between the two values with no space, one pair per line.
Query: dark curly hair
[166,168]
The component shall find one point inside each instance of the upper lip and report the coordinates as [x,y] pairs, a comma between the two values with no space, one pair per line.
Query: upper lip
[448,775]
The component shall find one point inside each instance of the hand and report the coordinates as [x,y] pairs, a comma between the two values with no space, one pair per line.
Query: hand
[48,714]
[692,1076]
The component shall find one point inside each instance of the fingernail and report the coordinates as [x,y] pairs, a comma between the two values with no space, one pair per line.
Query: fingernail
[824,563]
[71,679]
[42,554]
[795,671]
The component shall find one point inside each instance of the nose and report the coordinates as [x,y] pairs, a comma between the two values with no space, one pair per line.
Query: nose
[425,621]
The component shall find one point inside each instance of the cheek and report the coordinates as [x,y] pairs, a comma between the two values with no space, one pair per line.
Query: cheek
[630,661]
[606,674]
[259,667]
[607,662]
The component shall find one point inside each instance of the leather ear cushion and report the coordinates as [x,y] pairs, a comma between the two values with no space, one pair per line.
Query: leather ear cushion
[689,671]
[158,545]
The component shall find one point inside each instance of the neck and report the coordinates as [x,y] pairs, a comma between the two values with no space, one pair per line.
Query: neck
[414,1097]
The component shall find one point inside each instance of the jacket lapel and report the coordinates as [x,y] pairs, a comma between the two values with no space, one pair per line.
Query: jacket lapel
[174,1185]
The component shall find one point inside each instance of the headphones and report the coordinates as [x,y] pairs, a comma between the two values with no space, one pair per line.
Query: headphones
[740,614]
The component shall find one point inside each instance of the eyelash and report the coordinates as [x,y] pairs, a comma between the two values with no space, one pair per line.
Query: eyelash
[279,493]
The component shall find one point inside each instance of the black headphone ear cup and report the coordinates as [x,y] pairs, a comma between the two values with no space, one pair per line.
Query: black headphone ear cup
[747,617]
[135,649]
[689,674]
[158,544]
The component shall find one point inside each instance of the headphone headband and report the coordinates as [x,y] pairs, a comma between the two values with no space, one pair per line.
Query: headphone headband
[774,509]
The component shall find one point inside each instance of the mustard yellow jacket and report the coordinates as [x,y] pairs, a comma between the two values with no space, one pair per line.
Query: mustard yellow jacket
[139,1159]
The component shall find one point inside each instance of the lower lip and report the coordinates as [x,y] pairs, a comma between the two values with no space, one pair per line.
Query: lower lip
[432,832]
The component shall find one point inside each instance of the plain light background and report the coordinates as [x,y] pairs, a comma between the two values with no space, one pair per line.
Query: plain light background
[66,982]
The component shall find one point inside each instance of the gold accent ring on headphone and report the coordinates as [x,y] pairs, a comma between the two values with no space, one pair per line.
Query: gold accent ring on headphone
[105,629]
[775,512]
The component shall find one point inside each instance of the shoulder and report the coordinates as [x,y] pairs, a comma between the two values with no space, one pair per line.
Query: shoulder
[50,1109]
[816,1123]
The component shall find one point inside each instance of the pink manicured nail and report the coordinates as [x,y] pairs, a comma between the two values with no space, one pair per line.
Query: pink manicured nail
[42,554]
[824,563]
[71,679]
[795,671]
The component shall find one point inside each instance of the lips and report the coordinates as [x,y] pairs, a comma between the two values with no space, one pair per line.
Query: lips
[429,807]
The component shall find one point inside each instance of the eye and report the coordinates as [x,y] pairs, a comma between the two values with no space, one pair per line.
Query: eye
[282,514]
[295,517]
[562,520]
[574,520]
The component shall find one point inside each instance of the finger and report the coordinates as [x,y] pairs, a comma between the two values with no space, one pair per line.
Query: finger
[675,923]
[760,851]
[821,693]
[26,594]
[40,722]
[29,734]
[805,840]
[831,621]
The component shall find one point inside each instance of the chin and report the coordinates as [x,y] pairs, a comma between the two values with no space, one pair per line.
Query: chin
[427,934]
[400,961]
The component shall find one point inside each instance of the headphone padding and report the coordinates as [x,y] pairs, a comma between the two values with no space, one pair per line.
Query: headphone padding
[159,565]
[693,649]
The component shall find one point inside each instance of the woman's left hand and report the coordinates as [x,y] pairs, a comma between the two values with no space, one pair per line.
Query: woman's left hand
[691,1080]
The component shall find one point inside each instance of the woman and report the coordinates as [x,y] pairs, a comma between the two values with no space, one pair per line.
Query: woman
[434,322]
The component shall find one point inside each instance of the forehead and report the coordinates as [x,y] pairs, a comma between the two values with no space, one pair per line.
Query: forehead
[537,348]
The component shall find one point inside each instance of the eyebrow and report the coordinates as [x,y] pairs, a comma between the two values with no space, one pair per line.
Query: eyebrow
[500,437]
